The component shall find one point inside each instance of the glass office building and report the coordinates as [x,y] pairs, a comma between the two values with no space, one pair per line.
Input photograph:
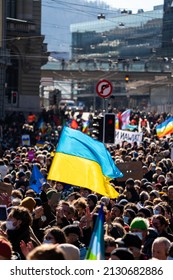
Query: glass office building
[143,40]
[124,37]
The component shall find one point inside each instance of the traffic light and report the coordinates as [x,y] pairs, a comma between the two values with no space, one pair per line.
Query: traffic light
[109,128]
[14,97]
[127,78]
[97,128]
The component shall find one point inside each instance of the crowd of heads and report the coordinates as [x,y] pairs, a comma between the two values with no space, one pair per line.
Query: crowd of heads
[58,222]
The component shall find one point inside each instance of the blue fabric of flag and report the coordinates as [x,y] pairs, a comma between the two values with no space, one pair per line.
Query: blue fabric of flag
[96,247]
[37,179]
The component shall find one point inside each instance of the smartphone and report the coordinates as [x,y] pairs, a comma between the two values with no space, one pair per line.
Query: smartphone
[3,212]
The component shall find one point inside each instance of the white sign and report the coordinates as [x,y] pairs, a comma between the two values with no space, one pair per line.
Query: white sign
[104,88]
[128,136]
[25,140]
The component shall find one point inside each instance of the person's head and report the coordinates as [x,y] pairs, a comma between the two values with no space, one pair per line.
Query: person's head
[131,193]
[160,248]
[21,176]
[72,233]
[5,249]
[158,209]
[132,242]
[159,223]
[143,197]
[73,196]
[170,192]
[168,211]
[19,217]
[80,205]
[139,226]
[29,203]
[46,187]
[144,213]
[54,235]
[84,192]
[110,245]
[128,215]
[154,194]
[71,251]
[92,201]
[130,182]
[116,211]
[46,252]
[170,252]
[161,179]
[16,194]
[59,186]
[30,193]
[121,254]
[66,209]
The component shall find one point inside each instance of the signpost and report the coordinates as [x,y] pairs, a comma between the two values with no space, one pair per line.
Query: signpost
[104,88]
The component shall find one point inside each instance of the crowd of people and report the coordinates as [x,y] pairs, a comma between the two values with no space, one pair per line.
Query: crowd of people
[58,222]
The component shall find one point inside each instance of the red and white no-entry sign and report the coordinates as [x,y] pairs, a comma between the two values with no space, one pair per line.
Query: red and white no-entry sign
[104,88]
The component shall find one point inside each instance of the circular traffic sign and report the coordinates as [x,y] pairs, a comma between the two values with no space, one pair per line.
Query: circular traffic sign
[104,88]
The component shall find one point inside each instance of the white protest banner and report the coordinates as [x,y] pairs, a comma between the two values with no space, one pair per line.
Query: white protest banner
[128,136]
[25,140]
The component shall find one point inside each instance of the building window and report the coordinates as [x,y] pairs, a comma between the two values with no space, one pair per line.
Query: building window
[11,8]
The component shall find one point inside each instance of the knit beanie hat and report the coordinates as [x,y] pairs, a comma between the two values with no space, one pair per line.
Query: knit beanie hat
[29,203]
[71,251]
[5,249]
[122,254]
[139,223]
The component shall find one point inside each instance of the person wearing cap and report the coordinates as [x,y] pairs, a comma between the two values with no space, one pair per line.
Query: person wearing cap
[71,251]
[140,227]
[21,181]
[134,244]
[29,203]
[121,254]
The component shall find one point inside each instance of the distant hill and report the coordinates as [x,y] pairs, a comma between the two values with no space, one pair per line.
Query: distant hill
[57,15]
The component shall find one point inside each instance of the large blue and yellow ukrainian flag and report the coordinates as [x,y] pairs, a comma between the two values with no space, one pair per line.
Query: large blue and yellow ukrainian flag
[85,162]
[96,247]
[165,128]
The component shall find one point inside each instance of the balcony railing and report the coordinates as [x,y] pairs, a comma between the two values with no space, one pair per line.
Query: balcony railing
[17,25]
